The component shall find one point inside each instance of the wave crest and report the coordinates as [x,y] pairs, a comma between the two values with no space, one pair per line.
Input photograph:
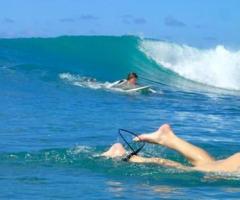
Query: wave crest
[218,67]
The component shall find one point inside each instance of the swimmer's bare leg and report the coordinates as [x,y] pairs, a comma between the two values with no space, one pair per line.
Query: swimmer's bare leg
[166,137]
[116,150]
[160,161]
[230,164]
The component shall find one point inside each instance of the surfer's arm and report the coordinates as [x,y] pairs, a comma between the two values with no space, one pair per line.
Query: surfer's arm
[159,161]
[118,83]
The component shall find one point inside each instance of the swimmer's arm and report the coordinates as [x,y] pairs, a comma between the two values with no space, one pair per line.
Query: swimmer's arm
[160,161]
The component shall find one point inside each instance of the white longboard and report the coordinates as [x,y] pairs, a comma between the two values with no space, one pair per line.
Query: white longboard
[141,89]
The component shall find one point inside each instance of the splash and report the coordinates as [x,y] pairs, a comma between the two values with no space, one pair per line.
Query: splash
[84,82]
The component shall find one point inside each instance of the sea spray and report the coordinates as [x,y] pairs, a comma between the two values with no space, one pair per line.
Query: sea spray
[218,67]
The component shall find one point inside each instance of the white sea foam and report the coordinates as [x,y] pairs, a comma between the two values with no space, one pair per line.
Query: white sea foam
[218,67]
[84,81]
[81,149]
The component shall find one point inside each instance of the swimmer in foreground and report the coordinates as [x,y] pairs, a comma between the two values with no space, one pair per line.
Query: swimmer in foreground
[199,158]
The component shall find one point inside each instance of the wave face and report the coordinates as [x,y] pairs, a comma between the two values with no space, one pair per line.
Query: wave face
[99,57]
[217,67]
[109,58]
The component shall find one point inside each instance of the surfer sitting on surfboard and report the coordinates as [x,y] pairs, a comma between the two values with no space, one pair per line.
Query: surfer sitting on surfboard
[126,84]
[197,157]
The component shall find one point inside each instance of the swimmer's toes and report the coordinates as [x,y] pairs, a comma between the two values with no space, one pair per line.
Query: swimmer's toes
[140,138]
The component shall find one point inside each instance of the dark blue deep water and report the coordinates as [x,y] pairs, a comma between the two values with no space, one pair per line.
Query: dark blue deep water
[54,123]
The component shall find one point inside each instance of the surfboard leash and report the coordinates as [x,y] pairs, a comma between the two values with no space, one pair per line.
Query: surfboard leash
[134,151]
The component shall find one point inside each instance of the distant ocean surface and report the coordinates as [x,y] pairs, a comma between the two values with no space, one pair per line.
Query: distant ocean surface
[57,114]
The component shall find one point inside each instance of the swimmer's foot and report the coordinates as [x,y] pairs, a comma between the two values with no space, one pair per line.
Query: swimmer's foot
[163,136]
[116,150]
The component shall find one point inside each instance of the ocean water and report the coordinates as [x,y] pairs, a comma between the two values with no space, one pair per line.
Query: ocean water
[57,114]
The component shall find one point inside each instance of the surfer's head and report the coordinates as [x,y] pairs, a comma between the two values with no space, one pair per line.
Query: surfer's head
[132,78]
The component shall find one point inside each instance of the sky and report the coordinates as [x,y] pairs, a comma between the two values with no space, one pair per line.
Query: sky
[199,23]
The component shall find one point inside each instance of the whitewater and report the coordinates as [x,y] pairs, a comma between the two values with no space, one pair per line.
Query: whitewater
[218,67]
[57,115]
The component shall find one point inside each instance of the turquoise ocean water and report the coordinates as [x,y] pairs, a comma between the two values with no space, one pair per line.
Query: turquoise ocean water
[57,115]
